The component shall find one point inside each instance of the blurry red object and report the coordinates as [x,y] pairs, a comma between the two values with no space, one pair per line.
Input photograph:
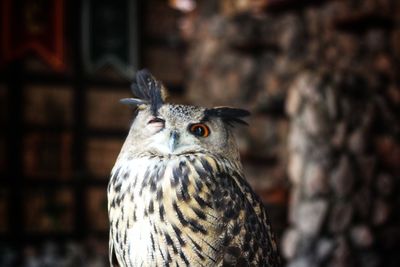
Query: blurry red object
[183,5]
[33,26]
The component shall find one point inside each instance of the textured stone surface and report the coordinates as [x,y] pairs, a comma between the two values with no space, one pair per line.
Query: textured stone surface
[385,184]
[296,167]
[381,212]
[341,216]
[293,102]
[361,236]
[290,243]
[294,200]
[342,179]
[311,215]
[324,248]
[342,254]
[315,180]
[302,262]
[357,141]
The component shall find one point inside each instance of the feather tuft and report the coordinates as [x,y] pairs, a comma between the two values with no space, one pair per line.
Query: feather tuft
[228,114]
[148,91]
[133,101]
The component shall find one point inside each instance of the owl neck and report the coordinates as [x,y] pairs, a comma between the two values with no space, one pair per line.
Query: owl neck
[152,173]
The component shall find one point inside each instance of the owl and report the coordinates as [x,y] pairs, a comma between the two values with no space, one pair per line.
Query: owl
[177,195]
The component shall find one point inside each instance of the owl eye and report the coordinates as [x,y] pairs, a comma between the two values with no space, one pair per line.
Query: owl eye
[199,129]
[156,120]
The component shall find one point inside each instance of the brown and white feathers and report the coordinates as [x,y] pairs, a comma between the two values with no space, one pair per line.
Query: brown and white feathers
[177,195]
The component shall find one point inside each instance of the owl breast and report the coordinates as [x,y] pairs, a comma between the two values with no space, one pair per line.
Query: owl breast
[163,210]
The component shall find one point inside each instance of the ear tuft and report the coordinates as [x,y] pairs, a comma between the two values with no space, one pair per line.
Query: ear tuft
[133,101]
[147,90]
[228,114]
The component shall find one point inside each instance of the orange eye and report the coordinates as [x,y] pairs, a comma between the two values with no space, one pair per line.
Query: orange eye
[199,129]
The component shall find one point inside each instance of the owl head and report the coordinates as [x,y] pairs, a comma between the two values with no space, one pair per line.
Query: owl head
[164,129]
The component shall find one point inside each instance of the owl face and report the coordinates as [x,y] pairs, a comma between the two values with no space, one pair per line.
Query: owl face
[178,130]
[165,130]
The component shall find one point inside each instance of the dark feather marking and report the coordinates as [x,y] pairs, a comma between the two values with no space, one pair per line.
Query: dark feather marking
[162,212]
[199,255]
[153,185]
[170,243]
[185,181]
[211,246]
[181,218]
[210,258]
[160,172]
[202,202]
[199,213]
[227,239]
[125,238]
[196,245]
[117,234]
[177,172]
[183,257]
[200,172]
[169,257]
[196,227]
[162,255]
[206,166]
[146,178]
[153,245]
[118,201]
[218,167]
[231,255]
[242,262]
[114,260]
[183,194]
[151,207]
[200,249]
[236,229]
[118,188]
[159,194]
[178,233]
[115,176]
[199,185]
[230,213]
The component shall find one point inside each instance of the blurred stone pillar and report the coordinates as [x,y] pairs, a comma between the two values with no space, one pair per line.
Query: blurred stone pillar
[344,170]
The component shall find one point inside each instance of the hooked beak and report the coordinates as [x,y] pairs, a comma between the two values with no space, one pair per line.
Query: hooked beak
[173,140]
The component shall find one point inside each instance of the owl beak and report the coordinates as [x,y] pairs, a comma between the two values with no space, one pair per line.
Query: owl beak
[173,141]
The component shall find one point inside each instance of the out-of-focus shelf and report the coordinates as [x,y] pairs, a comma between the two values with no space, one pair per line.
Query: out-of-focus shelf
[277,6]
[166,41]
[55,236]
[362,21]
[108,133]
[273,107]
[258,160]
[52,181]
[256,47]
[51,129]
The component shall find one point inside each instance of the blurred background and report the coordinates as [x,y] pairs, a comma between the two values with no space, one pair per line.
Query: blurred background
[320,77]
